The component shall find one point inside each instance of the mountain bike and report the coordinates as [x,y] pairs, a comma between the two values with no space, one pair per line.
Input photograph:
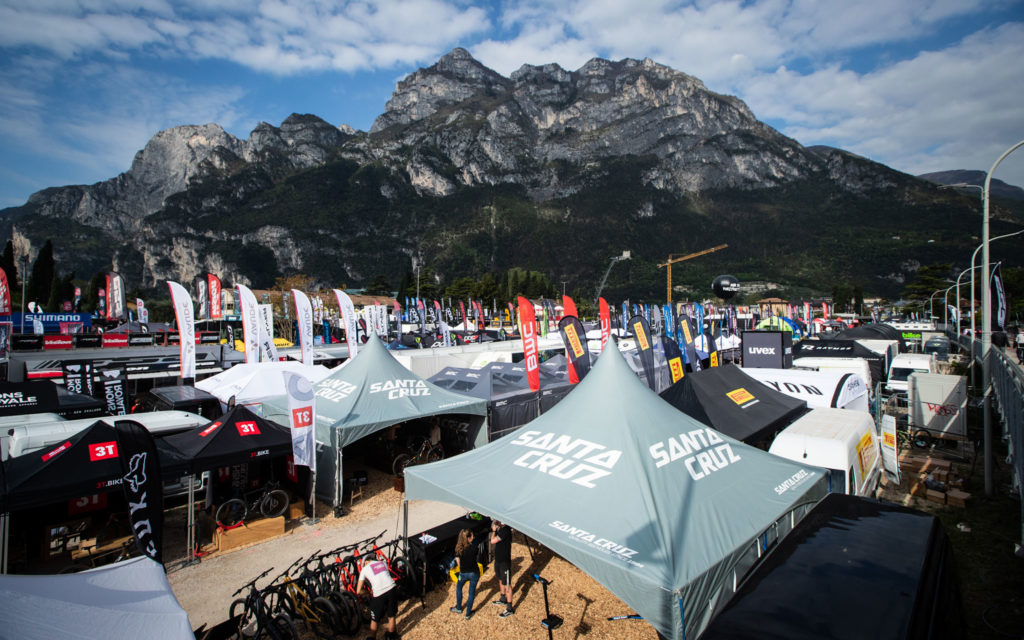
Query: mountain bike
[254,617]
[269,500]
[295,597]
[425,452]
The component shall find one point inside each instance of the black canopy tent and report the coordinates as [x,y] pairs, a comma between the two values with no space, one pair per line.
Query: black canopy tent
[872,331]
[45,396]
[843,349]
[239,436]
[731,402]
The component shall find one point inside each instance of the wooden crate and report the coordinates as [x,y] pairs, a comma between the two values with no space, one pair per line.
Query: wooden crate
[251,533]
[956,498]
[296,510]
[937,496]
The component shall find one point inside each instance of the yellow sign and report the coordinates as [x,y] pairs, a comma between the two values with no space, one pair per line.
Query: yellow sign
[574,340]
[686,331]
[675,366]
[740,396]
[641,336]
[714,358]
[865,452]
[890,440]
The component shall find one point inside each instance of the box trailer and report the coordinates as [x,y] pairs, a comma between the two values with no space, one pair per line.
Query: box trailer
[937,403]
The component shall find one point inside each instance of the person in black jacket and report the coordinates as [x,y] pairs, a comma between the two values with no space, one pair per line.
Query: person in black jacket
[466,558]
[501,541]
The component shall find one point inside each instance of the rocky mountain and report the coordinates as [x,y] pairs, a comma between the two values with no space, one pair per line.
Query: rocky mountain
[997,187]
[468,171]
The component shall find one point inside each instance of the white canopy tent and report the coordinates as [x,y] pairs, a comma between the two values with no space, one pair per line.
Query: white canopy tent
[252,383]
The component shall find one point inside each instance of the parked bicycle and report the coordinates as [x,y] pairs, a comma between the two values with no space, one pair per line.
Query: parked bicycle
[270,501]
[254,617]
[294,595]
[425,452]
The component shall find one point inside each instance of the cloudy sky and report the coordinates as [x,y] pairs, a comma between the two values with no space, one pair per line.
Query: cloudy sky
[920,85]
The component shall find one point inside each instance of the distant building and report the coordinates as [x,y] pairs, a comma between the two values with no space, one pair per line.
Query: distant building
[773,307]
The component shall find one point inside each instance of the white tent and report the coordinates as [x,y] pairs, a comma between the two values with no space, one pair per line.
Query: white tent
[130,600]
[820,389]
[252,383]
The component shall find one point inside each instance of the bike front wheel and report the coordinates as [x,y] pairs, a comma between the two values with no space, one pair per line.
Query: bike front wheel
[231,512]
[437,453]
[922,439]
[273,504]
[283,628]
[401,461]
[328,618]
[245,619]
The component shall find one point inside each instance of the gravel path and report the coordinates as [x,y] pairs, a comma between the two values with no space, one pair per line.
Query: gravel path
[205,589]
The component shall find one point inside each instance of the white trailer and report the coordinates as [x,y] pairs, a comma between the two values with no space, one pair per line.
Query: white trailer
[937,406]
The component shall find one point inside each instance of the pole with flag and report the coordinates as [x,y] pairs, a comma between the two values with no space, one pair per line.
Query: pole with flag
[304,317]
[301,413]
[183,314]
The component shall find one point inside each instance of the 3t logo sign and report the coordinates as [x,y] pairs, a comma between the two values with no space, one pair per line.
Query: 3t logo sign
[247,428]
[302,417]
[102,451]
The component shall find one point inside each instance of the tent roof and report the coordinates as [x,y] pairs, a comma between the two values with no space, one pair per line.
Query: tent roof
[730,401]
[830,348]
[375,391]
[257,381]
[130,599]
[78,466]
[231,439]
[651,503]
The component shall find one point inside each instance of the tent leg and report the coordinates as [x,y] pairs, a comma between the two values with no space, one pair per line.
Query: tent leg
[311,510]
[190,535]
[3,542]
[339,479]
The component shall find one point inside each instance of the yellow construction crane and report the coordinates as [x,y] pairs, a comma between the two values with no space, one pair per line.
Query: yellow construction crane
[671,261]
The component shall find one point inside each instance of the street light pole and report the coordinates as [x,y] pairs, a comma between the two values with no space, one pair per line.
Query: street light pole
[24,279]
[986,324]
[974,258]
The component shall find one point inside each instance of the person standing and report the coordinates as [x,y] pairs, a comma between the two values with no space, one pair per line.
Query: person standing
[384,602]
[501,541]
[466,559]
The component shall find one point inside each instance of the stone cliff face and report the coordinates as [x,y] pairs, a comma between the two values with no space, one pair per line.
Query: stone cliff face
[457,124]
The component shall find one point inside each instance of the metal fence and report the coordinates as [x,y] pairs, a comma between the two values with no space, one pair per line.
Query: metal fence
[1008,391]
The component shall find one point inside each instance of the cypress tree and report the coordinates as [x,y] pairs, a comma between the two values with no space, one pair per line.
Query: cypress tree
[43,273]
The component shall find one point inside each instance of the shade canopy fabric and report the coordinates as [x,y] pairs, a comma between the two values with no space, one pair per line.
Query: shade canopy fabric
[236,437]
[734,403]
[126,600]
[254,382]
[85,463]
[656,506]
[372,392]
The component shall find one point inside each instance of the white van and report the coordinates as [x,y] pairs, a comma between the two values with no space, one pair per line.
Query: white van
[839,440]
[819,389]
[905,364]
[859,366]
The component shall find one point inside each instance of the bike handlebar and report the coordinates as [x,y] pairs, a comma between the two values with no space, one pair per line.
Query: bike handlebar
[252,582]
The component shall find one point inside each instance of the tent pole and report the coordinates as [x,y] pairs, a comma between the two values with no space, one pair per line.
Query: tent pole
[3,542]
[190,534]
[405,528]
[339,507]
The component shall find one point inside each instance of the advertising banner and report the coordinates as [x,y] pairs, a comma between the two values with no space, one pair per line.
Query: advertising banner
[112,390]
[604,313]
[998,300]
[641,331]
[250,324]
[528,330]
[117,302]
[182,304]
[78,377]
[301,415]
[213,290]
[575,339]
[202,298]
[348,317]
[142,485]
[5,293]
[673,359]
[304,317]
[268,350]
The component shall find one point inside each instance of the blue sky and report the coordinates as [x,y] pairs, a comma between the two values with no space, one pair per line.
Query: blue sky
[919,85]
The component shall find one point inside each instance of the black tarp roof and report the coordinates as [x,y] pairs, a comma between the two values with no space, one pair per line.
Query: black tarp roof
[236,437]
[872,331]
[84,464]
[730,401]
[852,568]
[843,349]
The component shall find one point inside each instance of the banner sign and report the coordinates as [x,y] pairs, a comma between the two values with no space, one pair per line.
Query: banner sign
[213,290]
[575,339]
[58,342]
[641,331]
[250,324]
[113,390]
[348,317]
[142,485]
[202,298]
[27,397]
[5,293]
[673,359]
[998,300]
[182,304]
[78,377]
[268,350]
[117,301]
[304,318]
[301,414]
[604,313]
[528,330]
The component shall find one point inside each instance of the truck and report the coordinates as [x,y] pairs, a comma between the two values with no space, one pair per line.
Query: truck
[840,440]
[905,364]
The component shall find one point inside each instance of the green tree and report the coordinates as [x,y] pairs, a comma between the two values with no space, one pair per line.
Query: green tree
[487,288]
[379,286]
[929,279]
[43,273]
[462,289]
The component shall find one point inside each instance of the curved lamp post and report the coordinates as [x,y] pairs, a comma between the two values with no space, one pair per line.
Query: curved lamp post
[986,324]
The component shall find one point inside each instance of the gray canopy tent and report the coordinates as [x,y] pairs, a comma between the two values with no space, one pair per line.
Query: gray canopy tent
[130,599]
[665,512]
[372,392]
